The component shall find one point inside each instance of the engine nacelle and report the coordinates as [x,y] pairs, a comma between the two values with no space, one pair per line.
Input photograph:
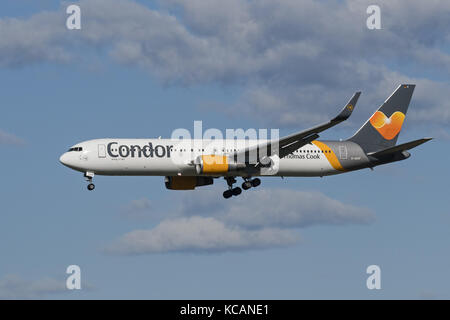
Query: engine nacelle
[212,164]
[266,162]
[186,183]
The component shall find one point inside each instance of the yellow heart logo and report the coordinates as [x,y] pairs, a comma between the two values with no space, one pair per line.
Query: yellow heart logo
[387,127]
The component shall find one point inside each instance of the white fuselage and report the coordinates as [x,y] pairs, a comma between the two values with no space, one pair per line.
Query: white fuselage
[167,157]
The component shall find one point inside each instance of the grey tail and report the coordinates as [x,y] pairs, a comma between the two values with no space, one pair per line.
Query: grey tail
[382,129]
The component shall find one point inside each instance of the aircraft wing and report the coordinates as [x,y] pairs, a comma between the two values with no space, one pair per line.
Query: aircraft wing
[288,144]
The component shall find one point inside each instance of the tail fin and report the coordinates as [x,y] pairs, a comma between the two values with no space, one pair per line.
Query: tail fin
[382,129]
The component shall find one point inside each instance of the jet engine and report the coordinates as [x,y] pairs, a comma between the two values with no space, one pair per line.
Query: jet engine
[212,164]
[186,183]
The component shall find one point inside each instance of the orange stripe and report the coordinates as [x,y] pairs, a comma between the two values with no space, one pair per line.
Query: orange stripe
[331,156]
[214,163]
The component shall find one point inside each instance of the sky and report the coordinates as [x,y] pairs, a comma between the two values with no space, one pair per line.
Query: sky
[140,69]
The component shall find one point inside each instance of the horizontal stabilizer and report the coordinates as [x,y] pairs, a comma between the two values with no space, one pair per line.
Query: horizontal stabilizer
[398,148]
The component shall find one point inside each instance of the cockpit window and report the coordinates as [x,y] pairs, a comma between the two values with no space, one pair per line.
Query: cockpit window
[76,149]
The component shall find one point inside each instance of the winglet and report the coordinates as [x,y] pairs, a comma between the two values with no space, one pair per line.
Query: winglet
[348,109]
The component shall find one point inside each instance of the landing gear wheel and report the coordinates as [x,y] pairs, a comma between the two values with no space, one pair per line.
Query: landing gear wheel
[246,185]
[236,191]
[89,176]
[256,182]
[231,191]
[227,193]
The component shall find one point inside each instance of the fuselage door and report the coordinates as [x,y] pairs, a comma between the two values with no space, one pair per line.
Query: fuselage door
[343,152]
[101,151]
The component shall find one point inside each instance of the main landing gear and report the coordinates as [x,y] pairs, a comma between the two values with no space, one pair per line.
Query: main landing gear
[247,184]
[231,191]
[89,176]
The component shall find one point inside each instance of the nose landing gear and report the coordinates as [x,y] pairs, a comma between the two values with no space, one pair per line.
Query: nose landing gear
[89,176]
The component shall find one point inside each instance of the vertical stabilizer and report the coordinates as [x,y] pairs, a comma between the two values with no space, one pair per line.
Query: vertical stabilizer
[383,128]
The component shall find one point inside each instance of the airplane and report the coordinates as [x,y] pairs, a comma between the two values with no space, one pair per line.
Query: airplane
[190,163]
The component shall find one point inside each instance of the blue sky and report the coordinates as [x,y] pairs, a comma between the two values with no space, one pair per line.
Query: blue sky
[141,70]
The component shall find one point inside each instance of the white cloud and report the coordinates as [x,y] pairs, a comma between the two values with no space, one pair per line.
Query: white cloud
[279,208]
[296,60]
[16,287]
[8,138]
[34,40]
[137,209]
[199,234]
[430,295]
[202,224]
[295,209]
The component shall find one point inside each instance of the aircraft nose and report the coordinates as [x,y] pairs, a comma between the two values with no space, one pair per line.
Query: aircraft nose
[64,159]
